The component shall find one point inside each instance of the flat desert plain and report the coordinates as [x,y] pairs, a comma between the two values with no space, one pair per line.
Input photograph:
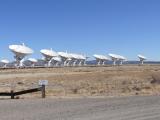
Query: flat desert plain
[127,80]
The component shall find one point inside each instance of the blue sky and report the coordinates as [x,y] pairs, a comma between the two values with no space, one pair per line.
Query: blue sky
[126,27]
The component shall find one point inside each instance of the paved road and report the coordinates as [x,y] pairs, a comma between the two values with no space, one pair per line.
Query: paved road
[128,108]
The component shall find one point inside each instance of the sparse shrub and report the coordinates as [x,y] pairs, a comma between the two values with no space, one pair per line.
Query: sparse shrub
[20,83]
[136,93]
[155,79]
[75,90]
[147,87]
[124,83]
[136,88]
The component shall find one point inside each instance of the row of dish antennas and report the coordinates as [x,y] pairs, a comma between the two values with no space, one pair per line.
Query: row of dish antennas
[49,56]
[101,59]
[60,58]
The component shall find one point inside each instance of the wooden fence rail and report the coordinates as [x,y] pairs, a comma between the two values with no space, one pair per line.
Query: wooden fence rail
[13,94]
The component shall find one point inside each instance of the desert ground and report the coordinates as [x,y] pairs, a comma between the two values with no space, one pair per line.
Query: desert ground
[129,92]
[91,81]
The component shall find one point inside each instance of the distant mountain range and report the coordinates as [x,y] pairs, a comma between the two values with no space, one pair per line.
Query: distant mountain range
[93,62]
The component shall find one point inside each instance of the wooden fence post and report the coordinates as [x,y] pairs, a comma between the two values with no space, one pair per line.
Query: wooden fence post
[12,94]
[43,91]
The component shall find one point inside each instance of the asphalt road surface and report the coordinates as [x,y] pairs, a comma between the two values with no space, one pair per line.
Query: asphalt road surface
[126,108]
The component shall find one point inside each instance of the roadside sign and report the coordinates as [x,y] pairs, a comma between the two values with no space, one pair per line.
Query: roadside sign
[43,82]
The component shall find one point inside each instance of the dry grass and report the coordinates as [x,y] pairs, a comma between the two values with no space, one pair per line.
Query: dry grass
[87,81]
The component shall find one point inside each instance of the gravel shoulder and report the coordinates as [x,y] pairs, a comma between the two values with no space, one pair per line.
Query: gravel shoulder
[122,108]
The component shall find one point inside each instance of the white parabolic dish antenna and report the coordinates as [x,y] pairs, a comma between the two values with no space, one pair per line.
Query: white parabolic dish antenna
[82,57]
[20,52]
[5,61]
[64,55]
[48,53]
[101,58]
[58,59]
[142,58]
[115,58]
[72,58]
[33,60]
[77,59]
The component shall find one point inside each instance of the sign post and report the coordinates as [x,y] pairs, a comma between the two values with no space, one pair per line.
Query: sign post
[43,91]
[43,83]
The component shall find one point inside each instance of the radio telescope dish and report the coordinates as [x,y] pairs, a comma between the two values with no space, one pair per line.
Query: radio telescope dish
[142,58]
[33,61]
[66,58]
[74,57]
[78,59]
[20,52]
[48,55]
[121,59]
[5,62]
[101,59]
[116,58]
[56,60]
[82,59]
